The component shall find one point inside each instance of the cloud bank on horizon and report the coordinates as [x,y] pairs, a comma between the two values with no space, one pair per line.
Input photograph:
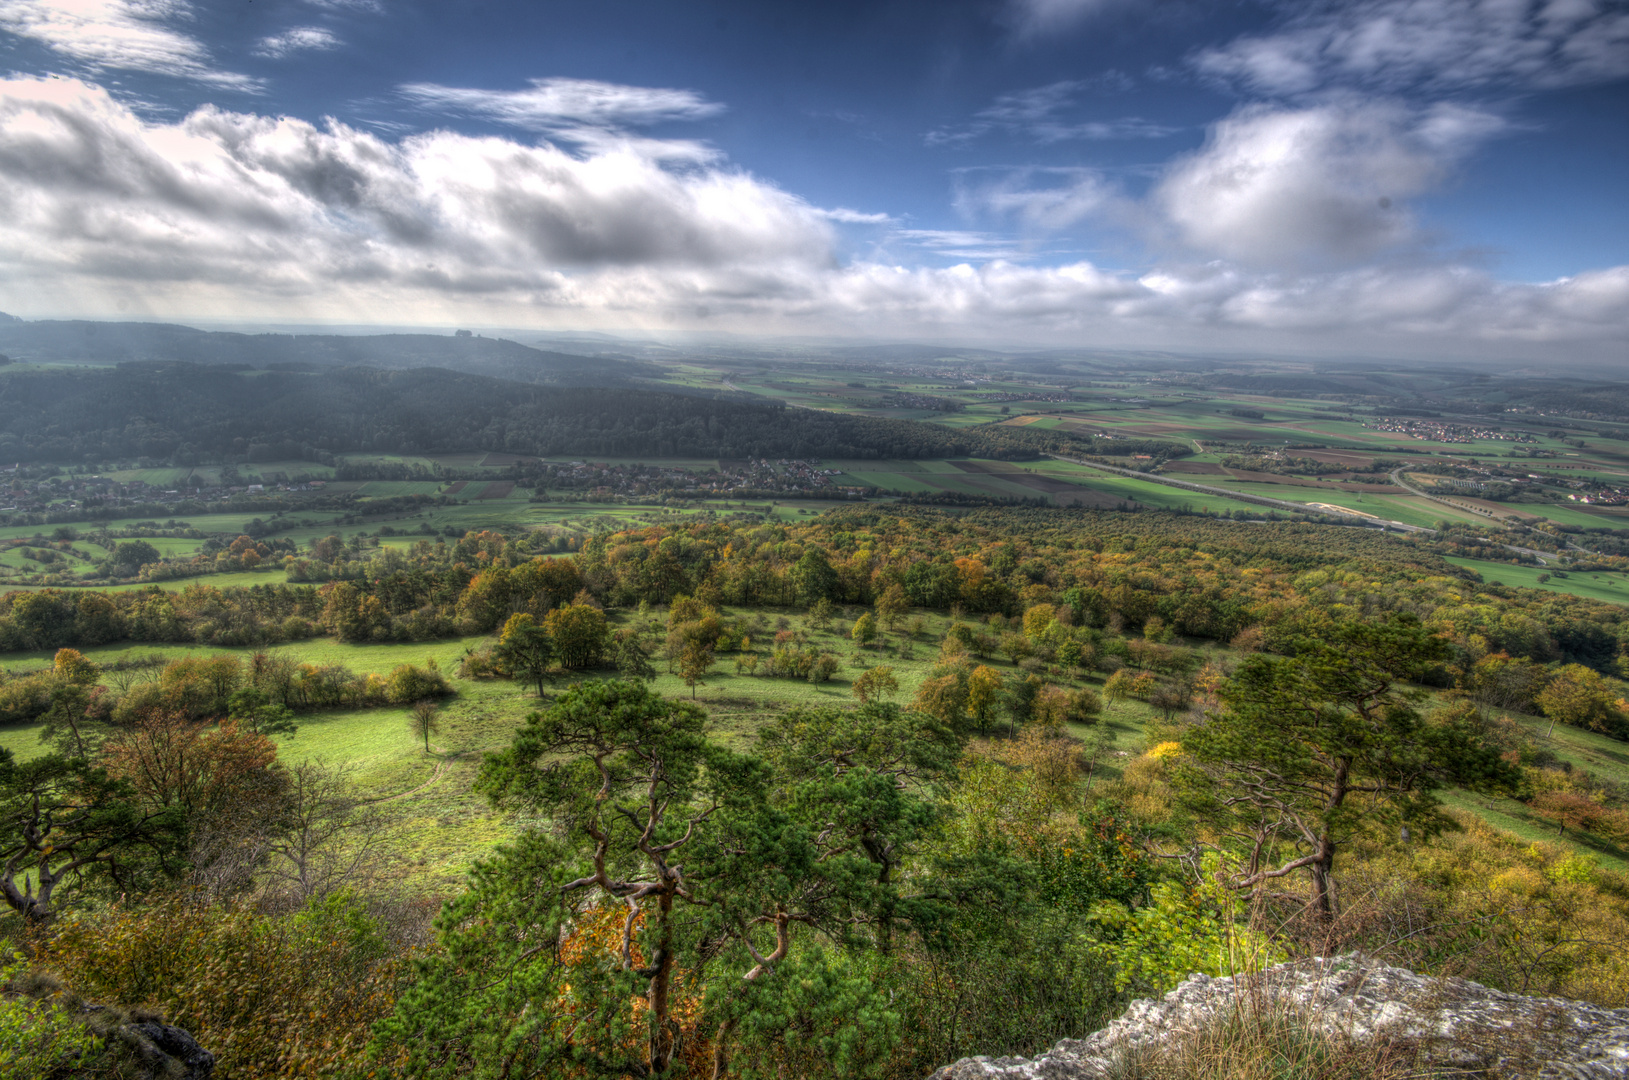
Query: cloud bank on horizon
[1315,208]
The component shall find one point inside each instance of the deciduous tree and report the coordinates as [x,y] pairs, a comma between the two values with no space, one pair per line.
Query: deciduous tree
[875,683]
[580,635]
[1580,697]
[695,662]
[423,719]
[983,694]
[525,650]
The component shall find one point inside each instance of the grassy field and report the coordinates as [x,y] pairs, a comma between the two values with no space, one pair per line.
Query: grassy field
[436,823]
[1145,492]
[1612,588]
[1409,509]
[1141,404]
[1135,404]
[1605,757]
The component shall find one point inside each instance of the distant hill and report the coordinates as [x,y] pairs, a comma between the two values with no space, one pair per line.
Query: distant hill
[905,353]
[86,341]
[189,412]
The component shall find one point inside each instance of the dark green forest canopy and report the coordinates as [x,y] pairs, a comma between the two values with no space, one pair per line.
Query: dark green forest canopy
[185,412]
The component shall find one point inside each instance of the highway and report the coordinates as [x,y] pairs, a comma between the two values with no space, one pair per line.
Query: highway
[1277,504]
[1541,556]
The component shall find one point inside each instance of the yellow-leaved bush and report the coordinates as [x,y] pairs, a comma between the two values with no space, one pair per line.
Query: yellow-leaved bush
[270,995]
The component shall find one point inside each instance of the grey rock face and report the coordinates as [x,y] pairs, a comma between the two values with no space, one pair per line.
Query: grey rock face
[149,1049]
[171,1052]
[1453,1022]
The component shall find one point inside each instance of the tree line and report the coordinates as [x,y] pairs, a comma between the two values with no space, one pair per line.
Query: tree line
[1206,578]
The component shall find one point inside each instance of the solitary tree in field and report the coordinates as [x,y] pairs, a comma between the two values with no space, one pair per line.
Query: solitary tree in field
[892,606]
[875,683]
[1119,685]
[526,650]
[424,720]
[983,694]
[1309,750]
[695,662]
[1571,809]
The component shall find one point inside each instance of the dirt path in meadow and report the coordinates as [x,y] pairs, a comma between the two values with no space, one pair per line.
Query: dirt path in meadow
[435,774]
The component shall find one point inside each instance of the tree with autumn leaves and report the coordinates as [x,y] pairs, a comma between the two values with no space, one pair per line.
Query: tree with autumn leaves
[128,817]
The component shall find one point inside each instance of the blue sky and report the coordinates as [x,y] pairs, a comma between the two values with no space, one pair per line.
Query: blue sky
[1389,177]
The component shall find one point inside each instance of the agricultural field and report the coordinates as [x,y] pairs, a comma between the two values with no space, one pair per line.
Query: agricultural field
[1085,398]
[1409,509]
[1143,402]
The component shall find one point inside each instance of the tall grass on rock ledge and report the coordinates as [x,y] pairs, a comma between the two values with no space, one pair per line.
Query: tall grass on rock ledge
[1268,1042]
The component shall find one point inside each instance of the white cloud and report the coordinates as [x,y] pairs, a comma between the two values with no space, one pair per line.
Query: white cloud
[1442,44]
[958,243]
[127,35]
[845,216]
[1028,106]
[299,39]
[1429,312]
[1318,186]
[1036,17]
[88,189]
[556,104]
[1039,199]
[1033,113]
[372,7]
[1126,127]
[227,214]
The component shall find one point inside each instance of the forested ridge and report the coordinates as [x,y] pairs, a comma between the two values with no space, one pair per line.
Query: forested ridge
[113,343]
[187,412]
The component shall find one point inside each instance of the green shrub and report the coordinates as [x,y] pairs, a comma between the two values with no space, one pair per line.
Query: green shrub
[40,1039]
[409,683]
[26,699]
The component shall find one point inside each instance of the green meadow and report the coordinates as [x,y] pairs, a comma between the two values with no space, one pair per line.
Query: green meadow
[1612,588]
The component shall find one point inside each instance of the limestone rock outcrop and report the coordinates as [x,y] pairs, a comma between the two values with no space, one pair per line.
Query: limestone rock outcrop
[167,1052]
[1452,1023]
